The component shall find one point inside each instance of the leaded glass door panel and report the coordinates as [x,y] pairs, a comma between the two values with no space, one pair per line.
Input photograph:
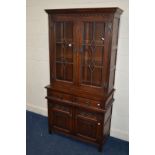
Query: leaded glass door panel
[92,53]
[64,50]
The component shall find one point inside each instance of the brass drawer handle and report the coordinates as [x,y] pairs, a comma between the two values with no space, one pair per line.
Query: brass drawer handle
[98,105]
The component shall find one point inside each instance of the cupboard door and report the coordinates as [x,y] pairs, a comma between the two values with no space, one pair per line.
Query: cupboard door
[61,118]
[87,126]
[92,53]
[63,46]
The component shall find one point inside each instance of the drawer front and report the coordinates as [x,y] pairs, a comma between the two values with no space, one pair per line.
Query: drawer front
[61,96]
[88,102]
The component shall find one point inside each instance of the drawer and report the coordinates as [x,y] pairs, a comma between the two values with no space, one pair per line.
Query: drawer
[88,102]
[61,96]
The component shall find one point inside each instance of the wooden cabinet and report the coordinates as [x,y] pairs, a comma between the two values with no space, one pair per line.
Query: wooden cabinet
[82,54]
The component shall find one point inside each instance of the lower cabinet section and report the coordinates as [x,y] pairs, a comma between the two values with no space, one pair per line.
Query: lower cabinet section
[80,123]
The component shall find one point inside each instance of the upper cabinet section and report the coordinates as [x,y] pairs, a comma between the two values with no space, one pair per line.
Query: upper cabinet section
[81,47]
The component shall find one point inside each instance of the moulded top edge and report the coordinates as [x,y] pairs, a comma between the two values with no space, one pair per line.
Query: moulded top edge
[84,10]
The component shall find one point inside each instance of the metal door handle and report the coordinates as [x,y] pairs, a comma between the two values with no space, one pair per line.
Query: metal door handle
[70,45]
[102,38]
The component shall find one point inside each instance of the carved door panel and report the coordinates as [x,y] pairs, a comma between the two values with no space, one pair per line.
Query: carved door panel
[61,117]
[87,125]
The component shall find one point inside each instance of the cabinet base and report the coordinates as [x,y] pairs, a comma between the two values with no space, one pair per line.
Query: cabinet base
[99,146]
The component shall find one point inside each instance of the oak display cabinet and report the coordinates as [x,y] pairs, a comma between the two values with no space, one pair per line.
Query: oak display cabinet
[82,57]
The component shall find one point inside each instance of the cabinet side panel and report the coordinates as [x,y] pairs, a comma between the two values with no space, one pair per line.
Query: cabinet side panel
[107,121]
[107,128]
[51,48]
[113,56]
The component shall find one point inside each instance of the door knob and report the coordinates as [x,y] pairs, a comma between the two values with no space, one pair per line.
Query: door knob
[70,45]
[102,38]
[98,123]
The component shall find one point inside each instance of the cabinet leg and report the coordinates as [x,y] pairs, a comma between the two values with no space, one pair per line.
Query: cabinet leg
[100,148]
[49,130]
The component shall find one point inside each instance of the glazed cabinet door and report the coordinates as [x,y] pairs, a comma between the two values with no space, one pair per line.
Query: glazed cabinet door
[62,50]
[60,117]
[93,54]
[87,125]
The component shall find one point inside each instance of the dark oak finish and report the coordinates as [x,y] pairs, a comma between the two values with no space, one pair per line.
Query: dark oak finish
[82,51]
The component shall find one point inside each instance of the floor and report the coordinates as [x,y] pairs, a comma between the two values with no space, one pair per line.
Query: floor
[40,142]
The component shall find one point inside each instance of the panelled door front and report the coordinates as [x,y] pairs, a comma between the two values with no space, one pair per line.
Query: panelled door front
[60,117]
[87,125]
[62,48]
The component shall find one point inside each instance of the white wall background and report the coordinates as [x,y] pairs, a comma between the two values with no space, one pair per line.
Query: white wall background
[38,60]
